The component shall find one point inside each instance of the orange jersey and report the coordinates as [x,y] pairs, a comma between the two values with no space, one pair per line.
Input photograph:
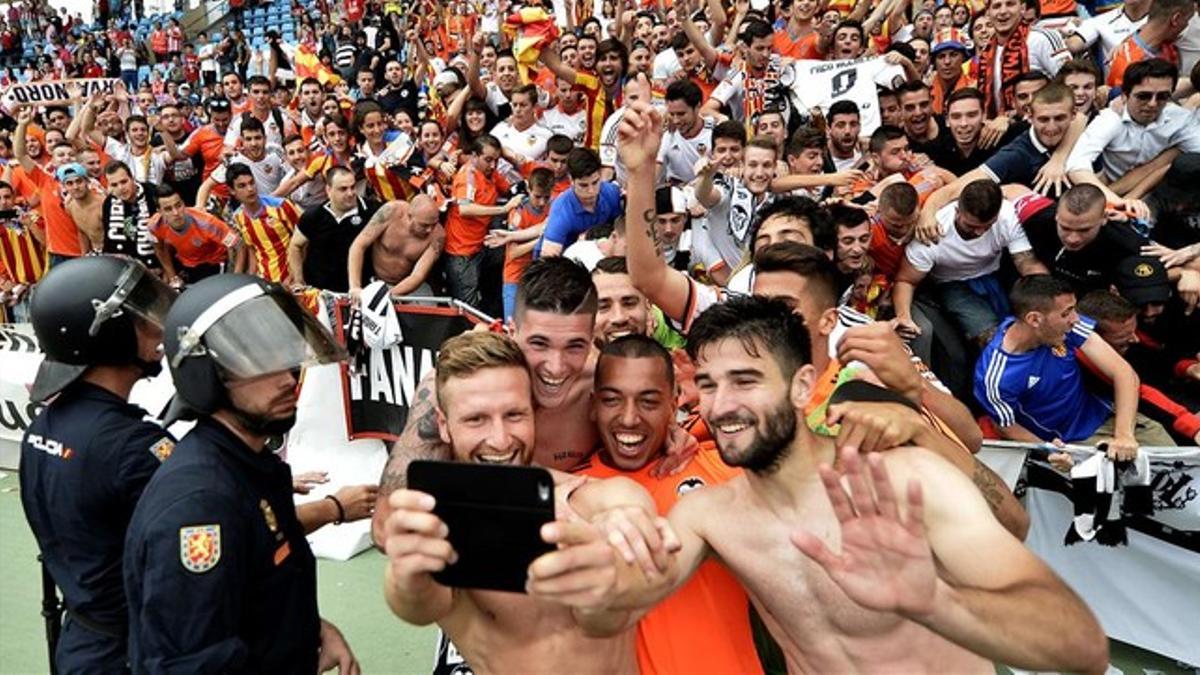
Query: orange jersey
[1133,50]
[520,219]
[886,253]
[1055,8]
[804,47]
[203,240]
[939,93]
[210,145]
[268,234]
[704,626]
[22,258]
[62,236]
[464,235]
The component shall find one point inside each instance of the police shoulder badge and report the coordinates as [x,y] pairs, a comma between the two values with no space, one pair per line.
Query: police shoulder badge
[162,449]
[200,547]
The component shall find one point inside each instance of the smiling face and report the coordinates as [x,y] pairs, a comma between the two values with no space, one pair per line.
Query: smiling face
[747,403]
[1083,87]
[556,346]
[621,308]
[852,244]
[965,119]
[487,417]
[634,406]
[918,111]
[758,170]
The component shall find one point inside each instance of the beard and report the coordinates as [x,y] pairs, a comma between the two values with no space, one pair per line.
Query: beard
[771,444]
[261,425]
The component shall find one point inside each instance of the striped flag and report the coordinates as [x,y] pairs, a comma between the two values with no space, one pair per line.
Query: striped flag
[308,64]
[530,30]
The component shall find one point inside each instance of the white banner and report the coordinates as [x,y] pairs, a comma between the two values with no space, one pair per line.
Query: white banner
[819,84]
[55,92]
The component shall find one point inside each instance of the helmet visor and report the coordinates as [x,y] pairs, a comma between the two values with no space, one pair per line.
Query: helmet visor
[140,293]
[269,334]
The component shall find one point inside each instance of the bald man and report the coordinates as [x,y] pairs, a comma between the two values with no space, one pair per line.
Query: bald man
[404,241]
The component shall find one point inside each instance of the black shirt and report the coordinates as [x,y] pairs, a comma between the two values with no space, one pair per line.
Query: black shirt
[84,462]
[945,153]
[219,575]
[403,97]
[126,226]
[329,238]
[1092,267]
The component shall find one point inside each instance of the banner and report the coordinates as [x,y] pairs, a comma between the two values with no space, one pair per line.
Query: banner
[818,84]
[379,385]
[55,92]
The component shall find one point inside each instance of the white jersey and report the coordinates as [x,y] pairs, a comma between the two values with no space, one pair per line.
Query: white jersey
[1108,30]
[679,154]
[530,143]
[953,258]
[571,126]
[819,84]
[148,167]
[268,171]
[608,144]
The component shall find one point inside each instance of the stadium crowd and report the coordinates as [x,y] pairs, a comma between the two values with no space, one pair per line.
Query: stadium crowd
[984,209]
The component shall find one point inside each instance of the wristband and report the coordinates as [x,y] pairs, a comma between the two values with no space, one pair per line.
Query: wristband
[341,516]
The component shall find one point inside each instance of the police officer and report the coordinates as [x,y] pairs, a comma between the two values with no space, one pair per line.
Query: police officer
[220,577]
[87,457]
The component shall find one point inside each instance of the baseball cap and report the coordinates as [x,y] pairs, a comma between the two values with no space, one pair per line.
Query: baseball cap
[68,171]
[950,38]
[1142,280]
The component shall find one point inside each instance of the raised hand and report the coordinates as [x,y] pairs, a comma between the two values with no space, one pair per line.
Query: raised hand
[416,541]
[641,128]
[885,563]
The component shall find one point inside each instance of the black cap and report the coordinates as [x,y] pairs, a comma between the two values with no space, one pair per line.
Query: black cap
[1142,280]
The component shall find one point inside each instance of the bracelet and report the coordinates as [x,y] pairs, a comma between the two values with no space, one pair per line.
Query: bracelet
[341,516]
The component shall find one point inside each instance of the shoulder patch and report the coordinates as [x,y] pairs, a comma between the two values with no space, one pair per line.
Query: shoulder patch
[200,547]
[163,448]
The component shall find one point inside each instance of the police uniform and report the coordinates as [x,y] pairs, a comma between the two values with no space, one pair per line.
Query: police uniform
[220,577]
[84,462]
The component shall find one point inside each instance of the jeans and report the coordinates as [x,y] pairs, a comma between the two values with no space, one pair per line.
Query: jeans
[973,304]
[130,78]
[462,277]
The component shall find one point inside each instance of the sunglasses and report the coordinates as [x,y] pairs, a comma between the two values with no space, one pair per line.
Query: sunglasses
[1147,96]
[219,104]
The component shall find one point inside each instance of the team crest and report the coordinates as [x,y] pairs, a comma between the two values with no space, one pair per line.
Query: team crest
[268,515]
[688,484]
[200,547]
[163,449]
[1143,270]
[1059,350]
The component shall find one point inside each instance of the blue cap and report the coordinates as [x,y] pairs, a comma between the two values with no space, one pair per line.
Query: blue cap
[68,171]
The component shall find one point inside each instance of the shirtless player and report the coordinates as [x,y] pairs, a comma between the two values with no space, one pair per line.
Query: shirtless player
[85,205]
[554,318]
[933,585]
[404,240]
[485,413]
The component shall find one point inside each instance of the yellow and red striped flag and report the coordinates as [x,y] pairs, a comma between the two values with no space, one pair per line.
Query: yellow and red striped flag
[530,30]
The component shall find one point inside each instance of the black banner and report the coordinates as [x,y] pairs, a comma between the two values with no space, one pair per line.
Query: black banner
[378,385]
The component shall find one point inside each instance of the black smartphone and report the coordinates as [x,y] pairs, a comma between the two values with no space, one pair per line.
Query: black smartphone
[494,514]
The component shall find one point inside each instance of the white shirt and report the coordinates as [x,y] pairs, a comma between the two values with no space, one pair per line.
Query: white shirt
[148,168]
[679,154]
[273,133]
[1109,29]
[953,258]
[608,144]
[585,252]
[530,143]
[268,171]
[1122,144]
[665,63]
[1188,45]
[571,126]
[848,163]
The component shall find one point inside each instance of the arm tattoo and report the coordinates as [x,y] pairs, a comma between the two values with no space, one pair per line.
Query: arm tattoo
[419,440]
[985,480]
[651,217]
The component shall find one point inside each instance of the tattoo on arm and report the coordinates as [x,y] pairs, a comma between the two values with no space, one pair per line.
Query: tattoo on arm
[419,440]
[651,217]
[986,480]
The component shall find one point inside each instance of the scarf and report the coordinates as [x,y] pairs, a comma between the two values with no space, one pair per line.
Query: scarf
[1104,492]
[127,233]
[760,92]
[1014,61]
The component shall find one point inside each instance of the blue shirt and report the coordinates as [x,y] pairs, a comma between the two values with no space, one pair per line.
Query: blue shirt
[568,219]
[1042,390]
[1019,161]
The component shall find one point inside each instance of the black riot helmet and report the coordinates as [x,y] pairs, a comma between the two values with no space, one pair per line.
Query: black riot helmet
[85,312]
[237,326]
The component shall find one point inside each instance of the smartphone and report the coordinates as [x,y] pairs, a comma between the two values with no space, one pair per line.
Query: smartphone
[494,514]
